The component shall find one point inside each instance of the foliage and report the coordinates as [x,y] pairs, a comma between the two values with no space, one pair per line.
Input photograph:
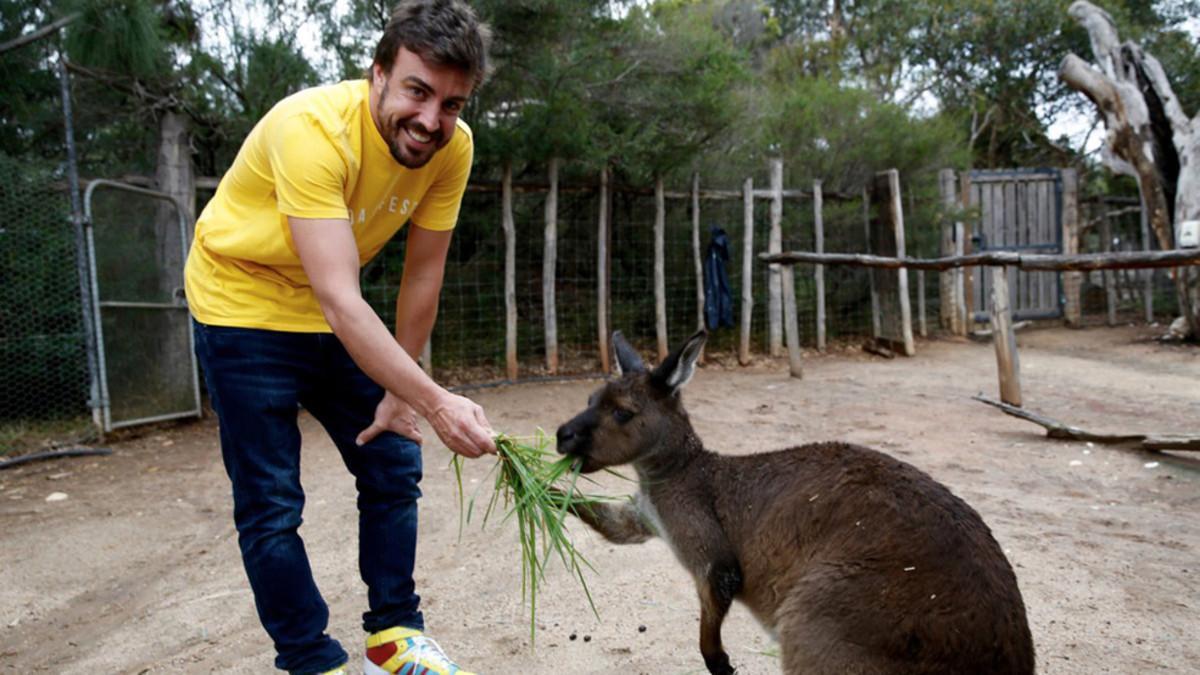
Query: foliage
[682,93]
[119,36]
[651,87]
[548,55]
[30,123]
[844,135]
[991,64]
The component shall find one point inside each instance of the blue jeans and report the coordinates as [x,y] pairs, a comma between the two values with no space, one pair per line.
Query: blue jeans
[257,379]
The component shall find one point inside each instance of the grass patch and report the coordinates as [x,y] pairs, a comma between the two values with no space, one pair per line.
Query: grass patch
[23,436]
[537,489]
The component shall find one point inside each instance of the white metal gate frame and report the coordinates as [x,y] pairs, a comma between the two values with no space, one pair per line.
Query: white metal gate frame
[100,396]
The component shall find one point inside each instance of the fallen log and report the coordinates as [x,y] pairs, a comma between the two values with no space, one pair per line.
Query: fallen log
[874,347]
[1058,430]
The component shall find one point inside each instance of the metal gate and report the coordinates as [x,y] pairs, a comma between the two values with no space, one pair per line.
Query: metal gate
[1019,210]
[137,245]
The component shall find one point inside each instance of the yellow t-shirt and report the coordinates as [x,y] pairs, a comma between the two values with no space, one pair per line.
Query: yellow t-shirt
[316,154]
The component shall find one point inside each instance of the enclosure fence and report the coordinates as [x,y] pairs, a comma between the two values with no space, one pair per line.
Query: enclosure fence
[469,339]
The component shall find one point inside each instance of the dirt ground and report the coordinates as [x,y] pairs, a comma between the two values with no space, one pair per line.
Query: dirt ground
[137,570]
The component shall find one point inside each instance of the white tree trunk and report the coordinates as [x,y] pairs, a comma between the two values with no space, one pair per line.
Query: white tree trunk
[1148,132]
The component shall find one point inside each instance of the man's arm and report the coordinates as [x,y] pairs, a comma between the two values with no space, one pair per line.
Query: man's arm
[417,301]
[330,257]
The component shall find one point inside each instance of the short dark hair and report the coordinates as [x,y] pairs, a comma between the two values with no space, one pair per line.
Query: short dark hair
[445,32]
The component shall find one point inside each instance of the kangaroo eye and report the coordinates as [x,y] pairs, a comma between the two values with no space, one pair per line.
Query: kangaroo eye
[622,415]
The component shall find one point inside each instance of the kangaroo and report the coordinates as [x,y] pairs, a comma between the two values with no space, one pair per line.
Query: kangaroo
[854,561]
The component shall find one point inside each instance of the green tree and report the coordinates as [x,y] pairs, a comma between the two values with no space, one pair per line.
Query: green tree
[680,89]
[843,135]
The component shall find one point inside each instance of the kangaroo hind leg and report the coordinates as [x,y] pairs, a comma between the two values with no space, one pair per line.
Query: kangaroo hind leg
[717,590]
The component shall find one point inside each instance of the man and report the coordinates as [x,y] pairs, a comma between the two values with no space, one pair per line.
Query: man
[319,186]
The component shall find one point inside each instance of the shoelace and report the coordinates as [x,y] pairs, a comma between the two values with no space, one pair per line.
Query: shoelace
[427,649]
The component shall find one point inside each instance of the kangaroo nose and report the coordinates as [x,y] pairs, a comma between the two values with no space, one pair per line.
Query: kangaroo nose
[565,436]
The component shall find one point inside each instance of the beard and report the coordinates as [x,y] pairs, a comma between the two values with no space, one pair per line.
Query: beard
[394,134]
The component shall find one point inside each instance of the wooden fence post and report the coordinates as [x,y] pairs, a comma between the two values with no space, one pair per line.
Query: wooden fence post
[602,274]
[876,325]
[791,325]
[1148,275]
[953,308]
[1071,281]
[922,326]
[774,274]
[510,272]
[660,274]
[963,246]
[1007,360]
[697,257]
[896,211]
[550,270]
[819,270]
[1109,276]
[747,270]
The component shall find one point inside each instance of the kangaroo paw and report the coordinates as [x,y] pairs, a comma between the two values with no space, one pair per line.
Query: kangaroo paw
[719,664]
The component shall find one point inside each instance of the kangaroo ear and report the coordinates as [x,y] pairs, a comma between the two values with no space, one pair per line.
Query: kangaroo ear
[628,360]
[679,367]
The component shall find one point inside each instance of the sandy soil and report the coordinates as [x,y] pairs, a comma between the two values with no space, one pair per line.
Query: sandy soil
[137,570]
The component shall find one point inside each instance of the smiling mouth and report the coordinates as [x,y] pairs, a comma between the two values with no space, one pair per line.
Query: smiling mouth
[418,136]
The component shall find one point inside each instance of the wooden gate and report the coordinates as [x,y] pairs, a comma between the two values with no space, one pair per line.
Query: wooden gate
[1019,210]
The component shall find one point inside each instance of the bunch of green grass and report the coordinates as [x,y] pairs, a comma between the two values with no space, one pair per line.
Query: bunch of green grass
[537,489]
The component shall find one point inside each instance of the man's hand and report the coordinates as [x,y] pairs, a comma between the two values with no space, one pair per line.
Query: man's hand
[461,425]
[392,414]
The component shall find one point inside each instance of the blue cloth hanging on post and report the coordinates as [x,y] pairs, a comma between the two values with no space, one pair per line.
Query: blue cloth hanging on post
[718,300]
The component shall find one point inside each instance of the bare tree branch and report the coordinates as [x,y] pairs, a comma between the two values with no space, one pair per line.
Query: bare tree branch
[37,34]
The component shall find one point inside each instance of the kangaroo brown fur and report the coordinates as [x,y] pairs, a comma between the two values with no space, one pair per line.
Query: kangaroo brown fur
[855,561]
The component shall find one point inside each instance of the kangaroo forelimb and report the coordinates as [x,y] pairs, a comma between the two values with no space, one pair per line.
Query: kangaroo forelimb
[618,523]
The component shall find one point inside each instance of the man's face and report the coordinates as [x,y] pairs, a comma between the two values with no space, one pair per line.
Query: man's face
[416,105]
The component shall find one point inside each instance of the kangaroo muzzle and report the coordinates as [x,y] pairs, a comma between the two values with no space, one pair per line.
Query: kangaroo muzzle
[575,437]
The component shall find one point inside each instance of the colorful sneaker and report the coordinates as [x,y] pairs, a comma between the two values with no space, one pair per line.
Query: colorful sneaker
[340,670]
[404,651]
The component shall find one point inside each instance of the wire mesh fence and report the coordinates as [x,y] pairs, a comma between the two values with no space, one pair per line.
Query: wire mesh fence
[1122,296]
[44,380]
[468,342]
